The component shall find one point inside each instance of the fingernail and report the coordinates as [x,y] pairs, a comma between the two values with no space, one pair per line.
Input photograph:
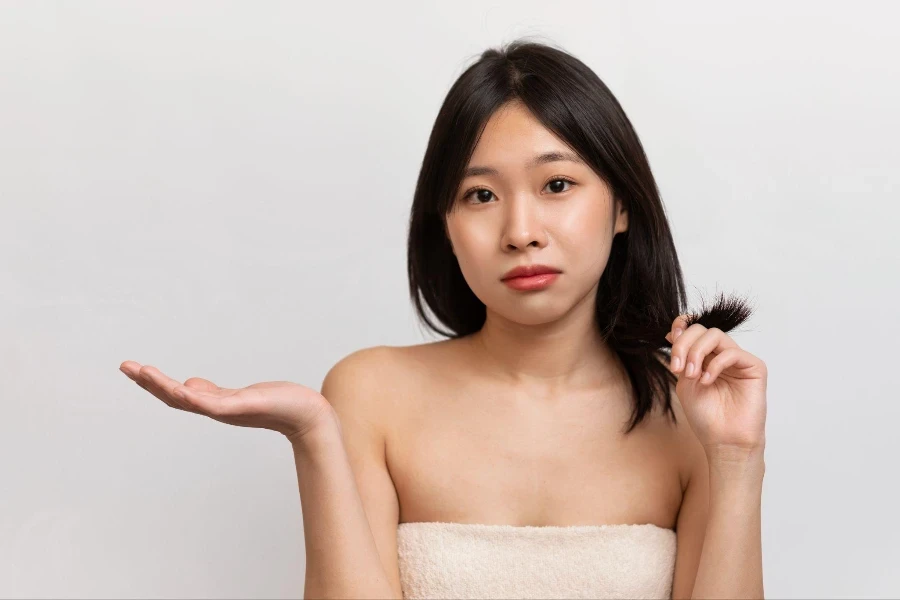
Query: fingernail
[676,363]
[678,331]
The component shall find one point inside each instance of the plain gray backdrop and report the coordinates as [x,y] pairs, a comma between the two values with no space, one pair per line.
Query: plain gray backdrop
[222,189]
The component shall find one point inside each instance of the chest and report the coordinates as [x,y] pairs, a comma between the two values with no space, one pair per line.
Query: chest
[466,456]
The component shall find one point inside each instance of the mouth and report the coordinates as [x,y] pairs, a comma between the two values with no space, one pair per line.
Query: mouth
[531,282]
[530,271]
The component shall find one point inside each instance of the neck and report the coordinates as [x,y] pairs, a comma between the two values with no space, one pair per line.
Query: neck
[565,354]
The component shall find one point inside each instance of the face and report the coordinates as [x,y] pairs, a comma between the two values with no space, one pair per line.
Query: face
[557,213]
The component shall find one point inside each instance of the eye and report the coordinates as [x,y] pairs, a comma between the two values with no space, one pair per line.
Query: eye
[489,193]
[564,180]
[475,191]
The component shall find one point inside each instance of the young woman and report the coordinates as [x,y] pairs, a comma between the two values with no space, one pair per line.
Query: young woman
[579,433]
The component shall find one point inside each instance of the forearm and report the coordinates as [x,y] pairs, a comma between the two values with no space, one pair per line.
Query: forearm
[342,559]
[731,562]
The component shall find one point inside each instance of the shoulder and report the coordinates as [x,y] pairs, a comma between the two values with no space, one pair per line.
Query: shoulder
[382,364]
[691,452]
[369,383]
[353,382]
[361,364]
[691,455]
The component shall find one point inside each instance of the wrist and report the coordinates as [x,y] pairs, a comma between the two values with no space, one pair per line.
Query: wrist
[322,431]
[726,454]
[736,465]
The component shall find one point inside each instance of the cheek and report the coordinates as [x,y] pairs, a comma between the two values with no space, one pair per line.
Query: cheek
[473,263]
[585,239]
[471,246]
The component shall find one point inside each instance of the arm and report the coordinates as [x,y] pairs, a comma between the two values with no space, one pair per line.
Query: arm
[725,410]
[719,539]
[344,487]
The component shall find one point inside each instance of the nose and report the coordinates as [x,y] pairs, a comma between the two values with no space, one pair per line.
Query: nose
[523,225]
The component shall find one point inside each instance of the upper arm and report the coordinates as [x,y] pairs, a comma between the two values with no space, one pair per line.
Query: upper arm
[351,387]
[690,526]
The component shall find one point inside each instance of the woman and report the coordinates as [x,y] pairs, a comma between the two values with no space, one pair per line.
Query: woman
[542,450]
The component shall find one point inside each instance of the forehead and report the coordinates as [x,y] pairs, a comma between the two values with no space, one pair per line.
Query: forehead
[512,135]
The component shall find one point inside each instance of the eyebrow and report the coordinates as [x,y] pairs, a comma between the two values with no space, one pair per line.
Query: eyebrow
[540,159]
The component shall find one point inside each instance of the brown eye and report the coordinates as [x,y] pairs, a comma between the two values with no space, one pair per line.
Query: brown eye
[480,193]
[561,181]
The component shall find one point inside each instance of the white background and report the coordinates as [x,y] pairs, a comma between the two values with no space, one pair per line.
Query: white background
[222,189]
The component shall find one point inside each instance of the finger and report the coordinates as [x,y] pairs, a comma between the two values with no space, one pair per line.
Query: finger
[712,342]
[211,405]
[679,326]
[730,357]
[130,368]
[163,386]
[203,385]
[159,395]
[682,344]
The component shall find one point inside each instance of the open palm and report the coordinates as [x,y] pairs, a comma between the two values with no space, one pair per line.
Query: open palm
[283,406]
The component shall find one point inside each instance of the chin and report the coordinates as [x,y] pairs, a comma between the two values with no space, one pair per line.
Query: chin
[530,311]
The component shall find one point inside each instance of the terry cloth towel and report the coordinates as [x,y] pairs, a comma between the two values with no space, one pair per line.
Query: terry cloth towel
[465,560]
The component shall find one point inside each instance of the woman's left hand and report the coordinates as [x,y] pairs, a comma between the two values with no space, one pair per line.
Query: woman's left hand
[724,394]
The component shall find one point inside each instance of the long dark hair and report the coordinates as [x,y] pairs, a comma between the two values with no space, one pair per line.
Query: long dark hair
[641,291]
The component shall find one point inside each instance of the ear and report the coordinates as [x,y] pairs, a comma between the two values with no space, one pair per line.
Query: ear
[621,218]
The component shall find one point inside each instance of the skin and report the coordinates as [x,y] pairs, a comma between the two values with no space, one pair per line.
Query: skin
[540,393]
[521,423]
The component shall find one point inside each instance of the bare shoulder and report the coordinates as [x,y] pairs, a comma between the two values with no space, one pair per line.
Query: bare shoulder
[370,382]
[691,453]
[363,363]
[352,385]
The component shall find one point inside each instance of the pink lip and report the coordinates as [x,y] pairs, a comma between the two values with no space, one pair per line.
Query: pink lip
[534,282]
[529,270]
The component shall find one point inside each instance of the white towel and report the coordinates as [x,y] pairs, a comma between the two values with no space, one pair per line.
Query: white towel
[464,560]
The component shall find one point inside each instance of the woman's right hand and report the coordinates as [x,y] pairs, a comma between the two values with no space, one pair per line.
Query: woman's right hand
[288,408]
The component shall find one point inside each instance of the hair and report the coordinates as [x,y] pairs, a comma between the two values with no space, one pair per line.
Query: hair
[641,290]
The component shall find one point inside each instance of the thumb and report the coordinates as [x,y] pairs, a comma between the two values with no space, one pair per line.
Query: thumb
[200,384]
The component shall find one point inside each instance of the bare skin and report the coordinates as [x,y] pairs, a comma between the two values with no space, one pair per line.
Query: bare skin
[433,435]
[430,434]
[462,447]
[520,423]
